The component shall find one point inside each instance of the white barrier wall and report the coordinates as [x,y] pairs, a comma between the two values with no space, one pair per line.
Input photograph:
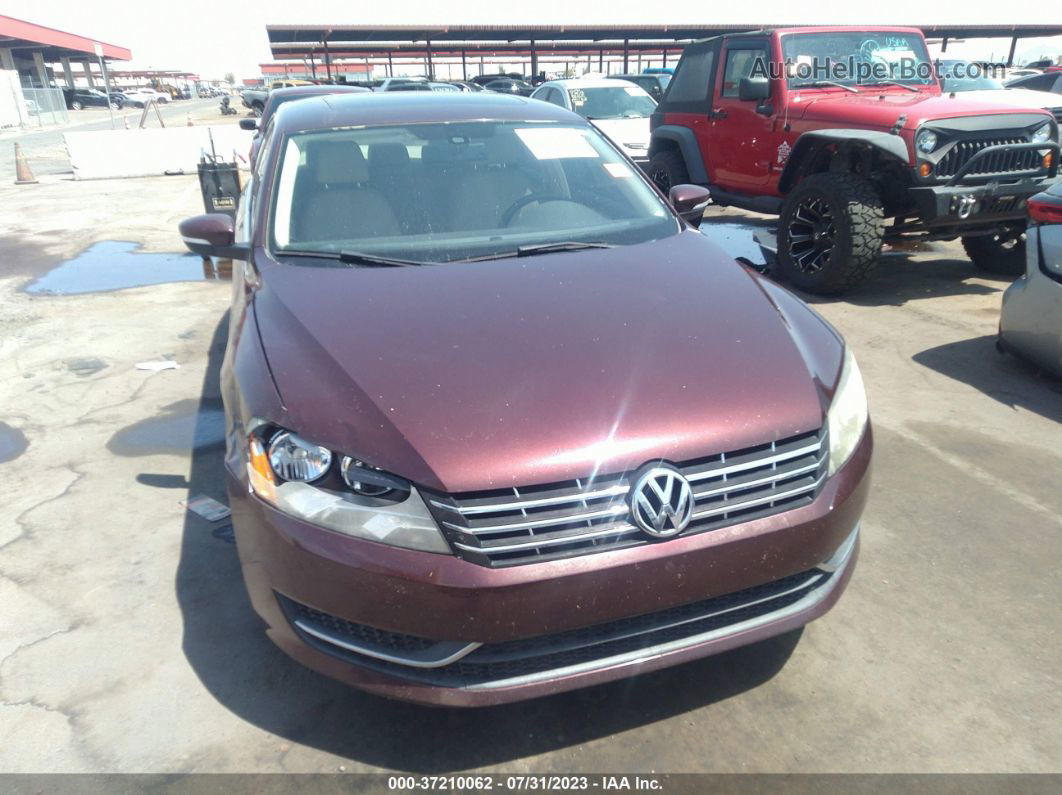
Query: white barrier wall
[102,154]
[12,103]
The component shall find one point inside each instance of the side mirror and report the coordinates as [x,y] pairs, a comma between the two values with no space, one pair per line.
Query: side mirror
[248,124]
[689,201]
[212,235]
[753,89]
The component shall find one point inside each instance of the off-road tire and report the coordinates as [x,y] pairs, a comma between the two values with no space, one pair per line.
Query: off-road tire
[992,253]
[667,169]
[858,228]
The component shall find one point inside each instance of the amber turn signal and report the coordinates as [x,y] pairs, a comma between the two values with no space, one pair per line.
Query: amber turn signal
[259,473]
[1049,158]
[925,170]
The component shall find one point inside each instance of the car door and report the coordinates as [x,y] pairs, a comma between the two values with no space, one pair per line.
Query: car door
[746,132]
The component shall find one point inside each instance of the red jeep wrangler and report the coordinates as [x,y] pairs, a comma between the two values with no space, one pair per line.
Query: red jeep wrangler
[839,130]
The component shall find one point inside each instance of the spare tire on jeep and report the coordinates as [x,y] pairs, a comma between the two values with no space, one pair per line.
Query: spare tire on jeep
[829,233]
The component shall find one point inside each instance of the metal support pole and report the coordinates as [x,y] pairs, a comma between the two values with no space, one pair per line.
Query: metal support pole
[313,67]
[626,53]
[390,65]
[431,66]
[534,59]
[665,57]
[944,44]
[601,60]
[327,59]
[464,67]
[1013,45]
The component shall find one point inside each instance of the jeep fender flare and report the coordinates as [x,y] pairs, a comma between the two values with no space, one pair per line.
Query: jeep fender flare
[686,142]
[892,145]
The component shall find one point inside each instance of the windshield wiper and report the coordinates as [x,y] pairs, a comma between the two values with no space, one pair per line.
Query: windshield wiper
[355,258]
[824,83]
[549,248]
[890,83]
[539,248]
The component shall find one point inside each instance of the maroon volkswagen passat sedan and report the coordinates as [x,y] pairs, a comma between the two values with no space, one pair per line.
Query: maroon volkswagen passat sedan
[502,422]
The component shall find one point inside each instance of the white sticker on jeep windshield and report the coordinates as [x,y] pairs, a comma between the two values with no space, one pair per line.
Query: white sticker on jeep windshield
[555,143]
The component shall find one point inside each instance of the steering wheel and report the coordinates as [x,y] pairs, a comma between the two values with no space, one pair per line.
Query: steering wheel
[540,197]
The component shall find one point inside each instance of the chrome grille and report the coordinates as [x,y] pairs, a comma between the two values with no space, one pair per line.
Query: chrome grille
[525,525]
[999,163]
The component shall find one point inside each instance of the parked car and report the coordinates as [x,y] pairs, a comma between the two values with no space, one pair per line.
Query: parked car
[467,85]
[79,98]
[393,83]
[837,158]
[1046,81]
[1030,325]
[282,96]
[655,84]
[146,95]
[482,80]
[957,76]
[620,110]
[507,85]
[478,466]
[127,100]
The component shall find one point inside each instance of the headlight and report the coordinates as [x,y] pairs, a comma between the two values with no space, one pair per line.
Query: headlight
[293,458]
[847,416]
[926,141]
[359,500]
[1042,134]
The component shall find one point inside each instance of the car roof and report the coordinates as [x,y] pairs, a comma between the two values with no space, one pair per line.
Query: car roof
[400,107]
[588,82]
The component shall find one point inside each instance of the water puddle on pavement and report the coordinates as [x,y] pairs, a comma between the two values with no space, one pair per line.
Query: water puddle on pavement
[184,427]
[13,442]
[116,265]
[753,243]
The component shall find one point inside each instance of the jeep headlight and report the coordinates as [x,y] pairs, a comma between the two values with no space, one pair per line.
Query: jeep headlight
[926,141]
[847,415]
[346,494]
[1042,134]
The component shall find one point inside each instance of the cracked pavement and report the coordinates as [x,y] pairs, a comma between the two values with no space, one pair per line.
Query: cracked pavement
[127,644]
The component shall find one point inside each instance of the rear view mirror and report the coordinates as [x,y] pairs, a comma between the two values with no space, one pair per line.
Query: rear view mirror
[753,89]
[689,201]
[248,124]
[212,235]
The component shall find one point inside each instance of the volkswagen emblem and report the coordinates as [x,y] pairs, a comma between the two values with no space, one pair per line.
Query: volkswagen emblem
[661,502]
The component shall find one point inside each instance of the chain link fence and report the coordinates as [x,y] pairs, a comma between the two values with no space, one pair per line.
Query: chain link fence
[44,107]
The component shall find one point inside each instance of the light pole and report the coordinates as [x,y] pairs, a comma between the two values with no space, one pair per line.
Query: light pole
[106,81]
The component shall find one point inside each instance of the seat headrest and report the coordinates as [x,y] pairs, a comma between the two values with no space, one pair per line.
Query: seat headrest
[337,162]
[388,154]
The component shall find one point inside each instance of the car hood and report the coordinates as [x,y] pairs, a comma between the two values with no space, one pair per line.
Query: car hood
[470,376]
[625,131]
[883,109]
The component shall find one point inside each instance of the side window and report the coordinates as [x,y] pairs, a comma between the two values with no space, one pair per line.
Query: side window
[693,76]
[1037,83]
[739,64]
[555,96]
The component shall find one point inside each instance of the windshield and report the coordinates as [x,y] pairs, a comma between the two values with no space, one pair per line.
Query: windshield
[963,76]
[442,192]
[611,102]
[854,58]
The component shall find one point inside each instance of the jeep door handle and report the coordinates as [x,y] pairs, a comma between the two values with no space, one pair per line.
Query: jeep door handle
[720,113]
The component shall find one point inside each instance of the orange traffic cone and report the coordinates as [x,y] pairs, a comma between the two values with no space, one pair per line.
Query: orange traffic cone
[23,175]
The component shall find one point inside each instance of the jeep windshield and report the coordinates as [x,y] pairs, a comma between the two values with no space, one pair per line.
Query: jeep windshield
[440,192]
[856,58]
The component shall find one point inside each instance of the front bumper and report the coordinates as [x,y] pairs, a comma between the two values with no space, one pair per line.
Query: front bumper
[970,199]
[335,583]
